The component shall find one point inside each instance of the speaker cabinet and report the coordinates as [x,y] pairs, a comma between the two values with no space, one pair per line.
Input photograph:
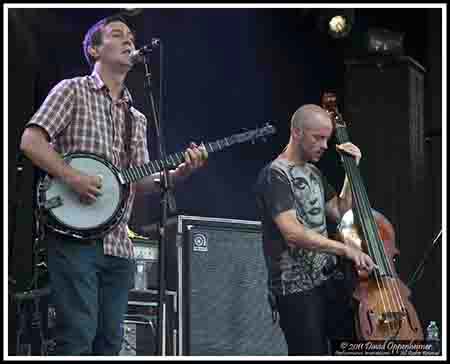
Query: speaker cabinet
[224,307]
[384,109]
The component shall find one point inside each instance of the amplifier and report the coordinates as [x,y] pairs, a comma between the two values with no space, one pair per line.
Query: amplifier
[146,252]
[222,292]
[140,327]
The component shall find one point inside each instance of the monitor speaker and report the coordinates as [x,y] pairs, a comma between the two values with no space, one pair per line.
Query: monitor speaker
[224,308]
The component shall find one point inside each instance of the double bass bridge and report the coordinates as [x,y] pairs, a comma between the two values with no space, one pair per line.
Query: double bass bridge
[387,318]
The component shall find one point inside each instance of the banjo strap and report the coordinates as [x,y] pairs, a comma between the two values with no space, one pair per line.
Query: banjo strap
[128,131]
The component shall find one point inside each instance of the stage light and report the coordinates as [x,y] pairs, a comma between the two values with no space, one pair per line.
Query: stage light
[339,26]
[384,42]
[337,22]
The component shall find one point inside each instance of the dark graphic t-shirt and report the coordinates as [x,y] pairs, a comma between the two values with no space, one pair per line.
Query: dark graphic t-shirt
[284,186]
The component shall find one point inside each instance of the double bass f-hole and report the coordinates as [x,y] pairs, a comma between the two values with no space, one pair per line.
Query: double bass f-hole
[383,310]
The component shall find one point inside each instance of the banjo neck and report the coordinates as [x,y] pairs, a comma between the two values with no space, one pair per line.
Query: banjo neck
[135,173]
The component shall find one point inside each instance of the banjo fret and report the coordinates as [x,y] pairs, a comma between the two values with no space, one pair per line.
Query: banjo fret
[179,158]
[153,166]
[139,172]
[148,169]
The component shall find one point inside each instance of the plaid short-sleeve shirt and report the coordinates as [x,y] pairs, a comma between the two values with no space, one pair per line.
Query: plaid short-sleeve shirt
[79,115]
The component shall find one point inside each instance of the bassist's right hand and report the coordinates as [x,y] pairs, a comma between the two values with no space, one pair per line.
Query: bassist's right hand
[358,257]
[87,187]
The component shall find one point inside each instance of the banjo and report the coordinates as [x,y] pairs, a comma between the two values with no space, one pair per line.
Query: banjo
[66,214]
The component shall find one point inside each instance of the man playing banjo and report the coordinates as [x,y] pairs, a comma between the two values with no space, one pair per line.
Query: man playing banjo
[90,278]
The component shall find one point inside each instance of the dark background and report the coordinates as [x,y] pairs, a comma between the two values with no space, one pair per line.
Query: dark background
[227,70]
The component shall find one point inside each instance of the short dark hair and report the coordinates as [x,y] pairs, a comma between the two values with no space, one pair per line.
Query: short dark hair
[93,36]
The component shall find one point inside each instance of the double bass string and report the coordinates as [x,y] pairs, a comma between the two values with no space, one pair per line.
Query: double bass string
[359,199]
[371,232]
[372,236]
[365,219]
[394,289]
[377,298]
[368,235]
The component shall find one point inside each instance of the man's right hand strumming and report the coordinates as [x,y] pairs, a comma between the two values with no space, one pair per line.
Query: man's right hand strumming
[87,187]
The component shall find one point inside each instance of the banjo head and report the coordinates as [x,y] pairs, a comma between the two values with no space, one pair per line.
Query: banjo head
[73,215]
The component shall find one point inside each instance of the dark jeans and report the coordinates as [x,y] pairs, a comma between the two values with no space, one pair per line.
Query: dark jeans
[310,319]
[90,295]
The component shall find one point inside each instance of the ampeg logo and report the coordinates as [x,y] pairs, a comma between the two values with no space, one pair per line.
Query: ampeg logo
[200,242]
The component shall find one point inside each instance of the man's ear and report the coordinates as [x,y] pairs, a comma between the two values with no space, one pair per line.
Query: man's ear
[297,132]
[93,51]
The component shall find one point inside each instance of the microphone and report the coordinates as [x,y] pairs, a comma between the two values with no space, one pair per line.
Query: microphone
[137,56]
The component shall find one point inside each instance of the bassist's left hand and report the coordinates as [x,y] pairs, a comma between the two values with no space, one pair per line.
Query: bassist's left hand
[351,149]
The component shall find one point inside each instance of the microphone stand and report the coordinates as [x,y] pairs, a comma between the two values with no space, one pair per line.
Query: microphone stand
[167,202]
[414,277]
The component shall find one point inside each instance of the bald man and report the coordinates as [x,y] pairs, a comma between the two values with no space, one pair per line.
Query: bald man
[294,199]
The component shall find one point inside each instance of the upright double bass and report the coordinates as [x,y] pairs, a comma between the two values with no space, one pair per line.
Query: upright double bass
[383,310]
